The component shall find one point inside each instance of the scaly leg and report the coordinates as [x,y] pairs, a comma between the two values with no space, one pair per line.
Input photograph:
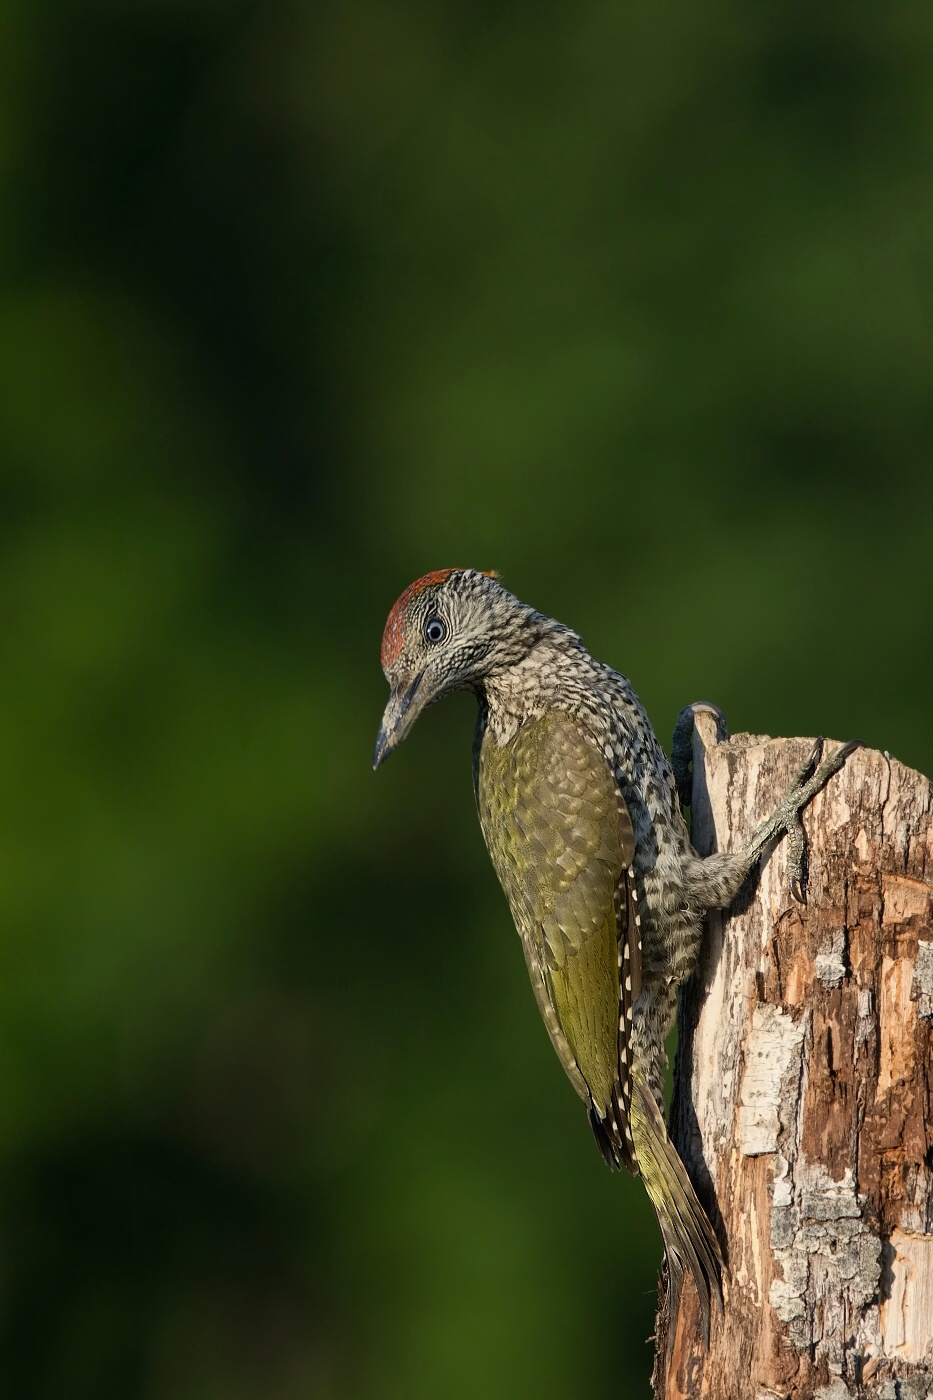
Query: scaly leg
[714,882]
[810,778]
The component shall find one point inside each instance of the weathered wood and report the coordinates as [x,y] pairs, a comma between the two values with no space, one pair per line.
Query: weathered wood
[804,1089]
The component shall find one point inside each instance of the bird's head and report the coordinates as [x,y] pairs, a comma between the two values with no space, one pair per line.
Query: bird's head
[448,631]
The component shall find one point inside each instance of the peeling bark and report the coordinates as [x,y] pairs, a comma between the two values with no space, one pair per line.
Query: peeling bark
[803,1099]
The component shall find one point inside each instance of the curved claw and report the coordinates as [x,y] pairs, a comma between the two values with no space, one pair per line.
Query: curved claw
[798,889]
[842,754]
[810,763]
[816,752]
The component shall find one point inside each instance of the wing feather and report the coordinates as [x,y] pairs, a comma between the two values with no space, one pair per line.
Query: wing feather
[561,840]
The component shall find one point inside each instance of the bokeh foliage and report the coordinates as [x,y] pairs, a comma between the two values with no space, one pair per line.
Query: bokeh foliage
[630,301]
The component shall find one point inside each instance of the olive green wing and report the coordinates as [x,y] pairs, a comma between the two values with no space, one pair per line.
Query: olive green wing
[561,841]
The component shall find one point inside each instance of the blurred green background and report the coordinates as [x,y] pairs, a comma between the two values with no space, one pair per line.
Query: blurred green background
[632,302]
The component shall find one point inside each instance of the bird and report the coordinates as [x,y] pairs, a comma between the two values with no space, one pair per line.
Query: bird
[582,815]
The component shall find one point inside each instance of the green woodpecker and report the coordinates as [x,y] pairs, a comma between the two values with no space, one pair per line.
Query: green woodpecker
[580,813]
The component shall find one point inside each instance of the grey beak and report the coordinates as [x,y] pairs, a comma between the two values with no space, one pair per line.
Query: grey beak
[383,748]
[400,714]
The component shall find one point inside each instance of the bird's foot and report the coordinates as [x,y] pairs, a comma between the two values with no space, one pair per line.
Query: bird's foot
[810,778]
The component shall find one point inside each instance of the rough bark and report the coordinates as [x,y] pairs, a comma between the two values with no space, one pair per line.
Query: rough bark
[804,1089]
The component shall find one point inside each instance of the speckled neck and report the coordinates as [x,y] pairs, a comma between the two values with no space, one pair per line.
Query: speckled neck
[553,674]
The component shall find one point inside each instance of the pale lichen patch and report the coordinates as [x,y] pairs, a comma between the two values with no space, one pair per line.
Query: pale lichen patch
[831,968]
[836,1390]
[817,1233]
[770,1084]
[918,1386]
[923,979]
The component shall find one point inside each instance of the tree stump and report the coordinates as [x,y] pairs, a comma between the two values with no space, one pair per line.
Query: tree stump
[803,1100]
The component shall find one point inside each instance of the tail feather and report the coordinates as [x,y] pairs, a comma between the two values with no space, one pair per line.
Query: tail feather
[689,1239]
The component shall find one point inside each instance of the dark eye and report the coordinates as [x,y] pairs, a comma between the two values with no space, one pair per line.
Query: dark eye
[434,630]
